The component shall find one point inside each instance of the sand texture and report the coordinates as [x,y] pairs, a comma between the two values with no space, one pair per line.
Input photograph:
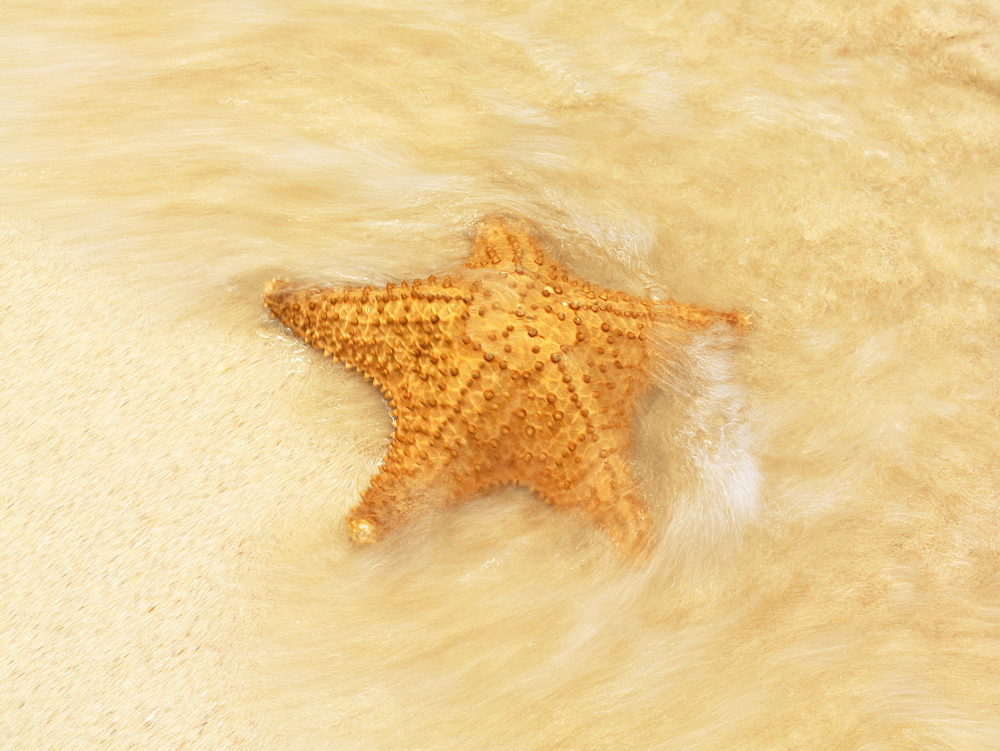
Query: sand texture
[176,466]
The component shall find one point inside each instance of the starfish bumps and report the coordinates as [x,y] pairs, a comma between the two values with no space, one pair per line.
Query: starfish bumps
[510,371]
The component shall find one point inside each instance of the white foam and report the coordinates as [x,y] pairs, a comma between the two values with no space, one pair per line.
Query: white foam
[713,488]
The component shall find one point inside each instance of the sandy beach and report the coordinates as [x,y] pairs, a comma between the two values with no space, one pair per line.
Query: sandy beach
[175,466]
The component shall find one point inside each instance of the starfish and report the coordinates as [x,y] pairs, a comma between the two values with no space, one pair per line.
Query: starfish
[511,371]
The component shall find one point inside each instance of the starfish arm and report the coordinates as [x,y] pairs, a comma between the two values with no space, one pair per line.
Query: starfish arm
[391,498]
[386,333]
[608,493]
[618,508]
[686,317]
[400,491]
[332,320]
[505,241]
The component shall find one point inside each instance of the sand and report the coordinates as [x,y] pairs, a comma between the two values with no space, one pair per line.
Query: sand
[175,467]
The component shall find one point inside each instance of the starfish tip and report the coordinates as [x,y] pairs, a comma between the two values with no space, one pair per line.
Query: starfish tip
[363,531]
[275,285]
[272,294]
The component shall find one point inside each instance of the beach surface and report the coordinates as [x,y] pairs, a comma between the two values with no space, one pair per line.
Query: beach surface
[175,466]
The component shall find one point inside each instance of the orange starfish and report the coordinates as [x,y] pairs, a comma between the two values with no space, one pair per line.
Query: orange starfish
[511,371]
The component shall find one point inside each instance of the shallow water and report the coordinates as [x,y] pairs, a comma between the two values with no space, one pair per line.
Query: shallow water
[177,466]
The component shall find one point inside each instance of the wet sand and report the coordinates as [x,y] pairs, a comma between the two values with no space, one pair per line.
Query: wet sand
[175,467]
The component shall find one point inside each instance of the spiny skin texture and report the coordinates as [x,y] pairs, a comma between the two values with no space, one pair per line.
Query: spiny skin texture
[511,371]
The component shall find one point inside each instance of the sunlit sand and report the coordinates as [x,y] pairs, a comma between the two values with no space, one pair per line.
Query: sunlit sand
[176,467]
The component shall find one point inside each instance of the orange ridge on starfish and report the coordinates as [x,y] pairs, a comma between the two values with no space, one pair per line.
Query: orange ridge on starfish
[510,371]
